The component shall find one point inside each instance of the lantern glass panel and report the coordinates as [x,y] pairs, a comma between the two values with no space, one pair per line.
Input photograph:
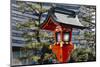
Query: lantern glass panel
[58,38]
[66,36]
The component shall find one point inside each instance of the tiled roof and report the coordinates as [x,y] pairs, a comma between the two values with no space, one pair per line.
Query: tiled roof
[66,19]
[65,16]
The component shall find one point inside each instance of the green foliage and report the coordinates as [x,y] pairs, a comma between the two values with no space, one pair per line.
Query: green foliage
[31,7]
[36,34]
[83,54]
[87,19]
[35,58]
[37,45]
[28,25]
[87,34]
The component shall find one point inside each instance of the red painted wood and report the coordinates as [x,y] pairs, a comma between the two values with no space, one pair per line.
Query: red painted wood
[63,53]
[71,35]
[49,25]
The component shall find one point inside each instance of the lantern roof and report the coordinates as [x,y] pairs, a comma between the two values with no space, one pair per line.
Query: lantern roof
[64,16]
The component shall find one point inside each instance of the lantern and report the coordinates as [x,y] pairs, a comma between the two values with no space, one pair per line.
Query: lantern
[61,21]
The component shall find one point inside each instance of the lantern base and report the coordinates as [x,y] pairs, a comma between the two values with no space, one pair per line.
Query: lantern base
[62,53]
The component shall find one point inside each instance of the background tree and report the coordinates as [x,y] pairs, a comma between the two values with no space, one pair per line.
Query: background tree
[88,50]
[32,24]
[87,18]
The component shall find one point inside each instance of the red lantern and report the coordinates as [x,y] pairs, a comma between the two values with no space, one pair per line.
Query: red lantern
[62,29]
